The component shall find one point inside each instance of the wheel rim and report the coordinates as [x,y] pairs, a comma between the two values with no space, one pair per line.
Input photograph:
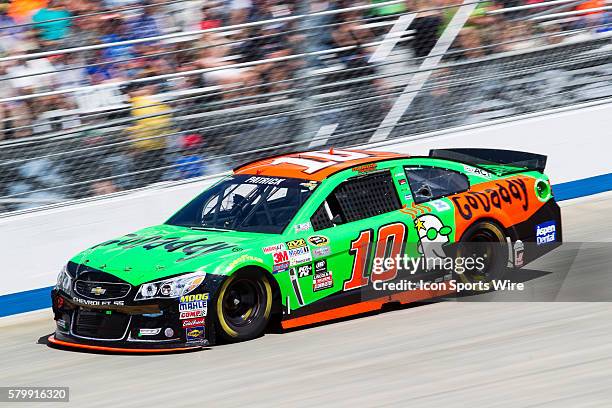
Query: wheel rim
[484,248]
[243,302]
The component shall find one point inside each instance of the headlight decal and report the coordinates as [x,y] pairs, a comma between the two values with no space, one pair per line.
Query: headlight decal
[64,280]
[170,288]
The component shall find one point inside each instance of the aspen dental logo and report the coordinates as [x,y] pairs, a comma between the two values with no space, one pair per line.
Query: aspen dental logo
[546,232]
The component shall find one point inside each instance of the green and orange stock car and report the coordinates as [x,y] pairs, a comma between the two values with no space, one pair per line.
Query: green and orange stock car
[295,239]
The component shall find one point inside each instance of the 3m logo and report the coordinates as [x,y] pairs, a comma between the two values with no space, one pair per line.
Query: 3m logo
[280,257]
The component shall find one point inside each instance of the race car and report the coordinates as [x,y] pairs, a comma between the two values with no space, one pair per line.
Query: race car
[298,239]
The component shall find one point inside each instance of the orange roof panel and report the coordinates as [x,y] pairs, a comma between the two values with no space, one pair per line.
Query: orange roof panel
[316,165]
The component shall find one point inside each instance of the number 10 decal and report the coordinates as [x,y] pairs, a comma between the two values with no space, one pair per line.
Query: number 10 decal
[391,242]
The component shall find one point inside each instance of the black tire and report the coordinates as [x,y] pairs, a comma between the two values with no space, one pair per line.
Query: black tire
[487,240]
[243,306]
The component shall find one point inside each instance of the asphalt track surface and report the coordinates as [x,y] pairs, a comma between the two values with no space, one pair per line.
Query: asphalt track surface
[447,354]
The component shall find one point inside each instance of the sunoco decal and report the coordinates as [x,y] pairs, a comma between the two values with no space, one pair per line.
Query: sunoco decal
[195,334]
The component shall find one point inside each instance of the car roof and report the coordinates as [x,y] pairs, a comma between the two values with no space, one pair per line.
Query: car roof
[314,165]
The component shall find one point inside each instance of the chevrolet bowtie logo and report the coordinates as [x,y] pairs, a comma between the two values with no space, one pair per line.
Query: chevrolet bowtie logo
[98,291]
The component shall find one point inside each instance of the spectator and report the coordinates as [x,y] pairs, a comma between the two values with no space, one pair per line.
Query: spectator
[221,72]
[191,163]
[210,17]
[21,11]
[114,31]
[428,24]
[69,72]
[239,11]
[29,75]
[152,123]
[144,24]
[53,22]
[252,65]
[9,34]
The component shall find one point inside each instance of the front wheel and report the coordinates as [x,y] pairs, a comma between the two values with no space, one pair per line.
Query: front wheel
[243,306]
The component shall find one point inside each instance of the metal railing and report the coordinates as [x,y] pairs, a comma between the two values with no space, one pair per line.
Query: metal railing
[334,77]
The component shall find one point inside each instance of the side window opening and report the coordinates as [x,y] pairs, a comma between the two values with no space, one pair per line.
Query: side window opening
[430,183]
[356,199]
[321,219]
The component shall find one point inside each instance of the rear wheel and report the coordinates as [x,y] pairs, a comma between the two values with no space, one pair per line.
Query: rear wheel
[243,306]
[485,242]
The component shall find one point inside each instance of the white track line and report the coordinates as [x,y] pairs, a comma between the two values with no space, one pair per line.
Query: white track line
[323,135]
[392,38]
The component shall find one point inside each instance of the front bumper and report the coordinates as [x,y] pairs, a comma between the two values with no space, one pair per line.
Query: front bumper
[124,326]
[59,340]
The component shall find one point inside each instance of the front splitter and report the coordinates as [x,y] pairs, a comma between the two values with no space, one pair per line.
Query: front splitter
[61,343]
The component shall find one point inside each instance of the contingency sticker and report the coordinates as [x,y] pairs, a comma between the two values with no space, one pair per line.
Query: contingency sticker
[322,281]
[299,256]
[274,248]
[194,334]
[193,306]
[318,240]
[546,232]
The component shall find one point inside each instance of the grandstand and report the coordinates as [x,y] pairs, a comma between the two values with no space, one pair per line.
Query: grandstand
[102,97]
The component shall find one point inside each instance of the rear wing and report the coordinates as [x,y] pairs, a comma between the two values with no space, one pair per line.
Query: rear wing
[493,157]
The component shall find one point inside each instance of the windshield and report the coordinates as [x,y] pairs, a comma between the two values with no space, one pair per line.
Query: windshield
[246,203]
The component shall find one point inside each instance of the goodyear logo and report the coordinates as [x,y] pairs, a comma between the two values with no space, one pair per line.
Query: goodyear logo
[296,243]
[193,298]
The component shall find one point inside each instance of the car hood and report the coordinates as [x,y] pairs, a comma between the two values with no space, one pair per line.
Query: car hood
[164,250]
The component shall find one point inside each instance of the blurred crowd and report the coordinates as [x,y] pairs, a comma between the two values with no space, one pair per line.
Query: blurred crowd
[110,70]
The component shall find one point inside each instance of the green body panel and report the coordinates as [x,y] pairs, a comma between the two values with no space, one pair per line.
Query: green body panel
[161,251]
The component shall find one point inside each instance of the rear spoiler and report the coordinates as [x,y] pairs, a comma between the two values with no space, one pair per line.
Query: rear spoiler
[529,161]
